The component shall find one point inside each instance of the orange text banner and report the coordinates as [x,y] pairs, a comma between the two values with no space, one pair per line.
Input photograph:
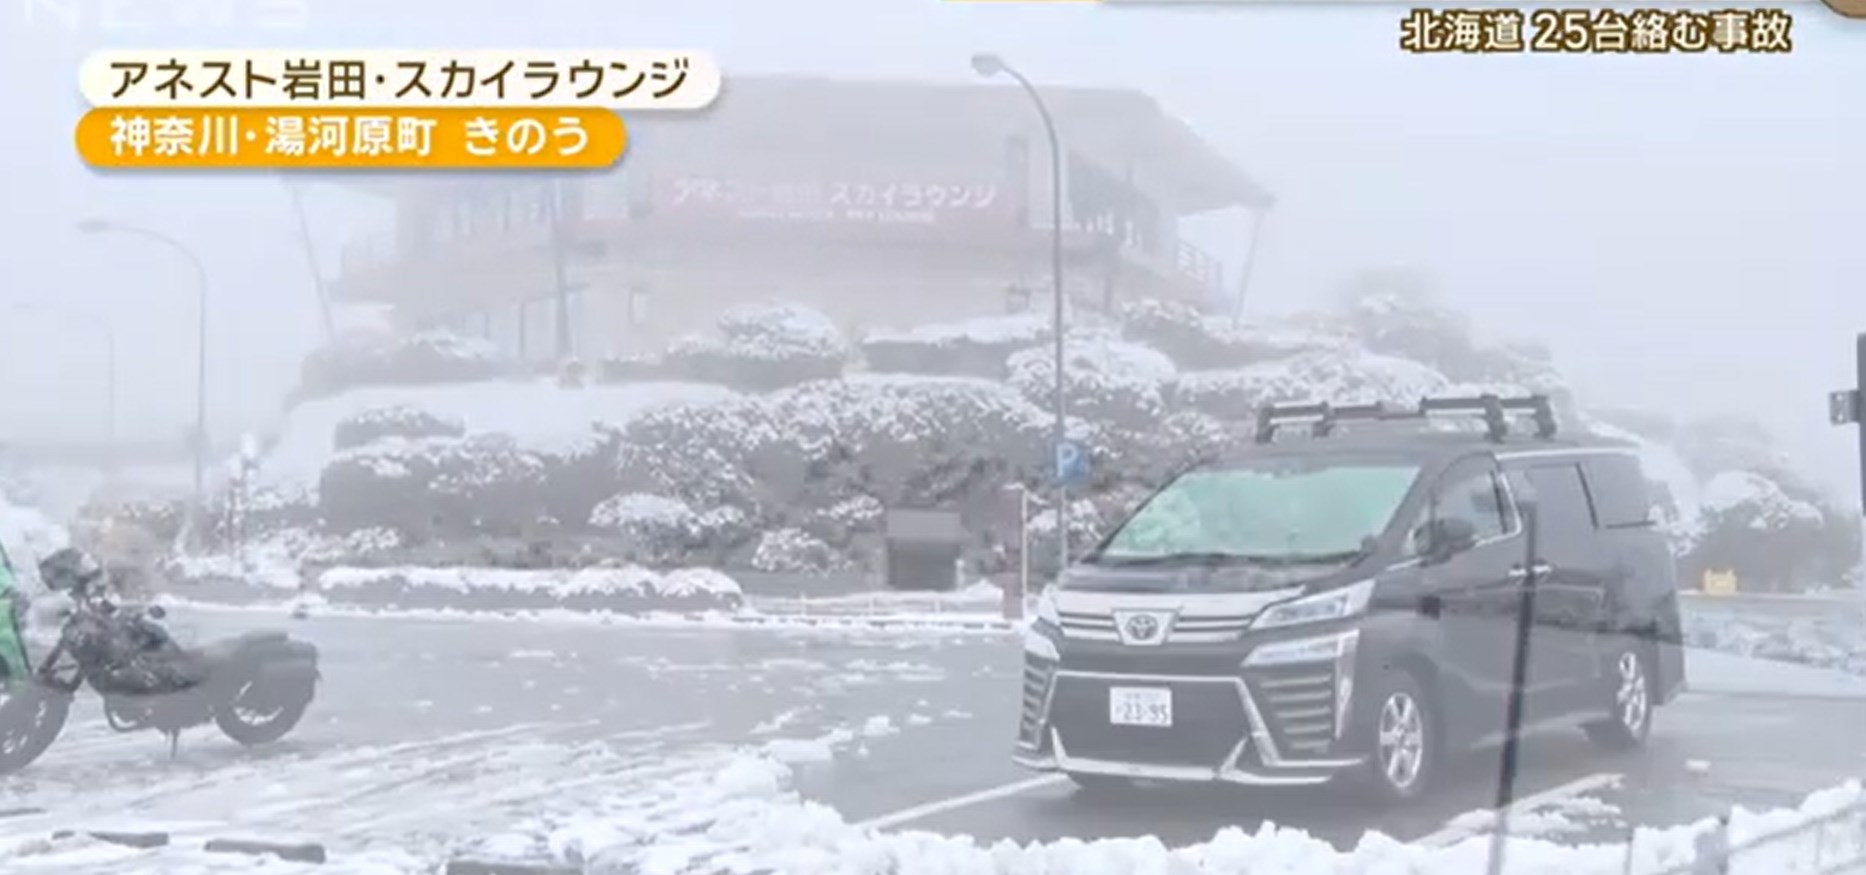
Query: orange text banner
[497,138]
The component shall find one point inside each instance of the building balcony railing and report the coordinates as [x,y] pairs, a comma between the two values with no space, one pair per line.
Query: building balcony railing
[1199,266]
[378,253]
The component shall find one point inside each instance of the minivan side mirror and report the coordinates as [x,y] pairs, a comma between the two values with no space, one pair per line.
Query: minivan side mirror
[1445,537]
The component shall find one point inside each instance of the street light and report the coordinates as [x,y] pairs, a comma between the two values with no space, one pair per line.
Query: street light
[988,66]
[103,328]
[103,226]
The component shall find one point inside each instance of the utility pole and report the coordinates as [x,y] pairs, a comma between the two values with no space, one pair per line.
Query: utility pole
[560,275]
[1848,407]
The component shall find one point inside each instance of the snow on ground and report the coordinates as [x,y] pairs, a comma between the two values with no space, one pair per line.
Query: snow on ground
[746,818]
[562,581]
[538,415]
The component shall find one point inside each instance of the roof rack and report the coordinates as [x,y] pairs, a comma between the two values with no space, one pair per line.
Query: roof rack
[1323,416]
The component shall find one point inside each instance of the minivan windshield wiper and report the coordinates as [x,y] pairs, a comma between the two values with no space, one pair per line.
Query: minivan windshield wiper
[1226,558]
[1185,558]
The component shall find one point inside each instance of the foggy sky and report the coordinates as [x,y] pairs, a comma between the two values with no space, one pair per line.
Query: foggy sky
[1683,231]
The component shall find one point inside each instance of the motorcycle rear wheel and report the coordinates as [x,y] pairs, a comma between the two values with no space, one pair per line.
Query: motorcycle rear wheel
[31,718]
[252,724]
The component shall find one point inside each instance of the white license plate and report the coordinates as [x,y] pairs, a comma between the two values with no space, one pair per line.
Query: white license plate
[1140,706]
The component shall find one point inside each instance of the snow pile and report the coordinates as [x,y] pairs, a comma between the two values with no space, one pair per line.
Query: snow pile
[627,589]
[761,348]
[1829,637]
[746,817]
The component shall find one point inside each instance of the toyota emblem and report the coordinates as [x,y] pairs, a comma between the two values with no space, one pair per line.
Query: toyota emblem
[1143,627]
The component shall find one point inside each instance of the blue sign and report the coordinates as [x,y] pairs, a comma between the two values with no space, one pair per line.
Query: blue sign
[1072,463]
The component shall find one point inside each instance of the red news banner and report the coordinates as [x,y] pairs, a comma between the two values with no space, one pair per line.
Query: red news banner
[1597,31]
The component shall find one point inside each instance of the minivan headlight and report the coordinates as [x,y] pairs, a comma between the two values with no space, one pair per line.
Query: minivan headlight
[1047,612]
[1335,604]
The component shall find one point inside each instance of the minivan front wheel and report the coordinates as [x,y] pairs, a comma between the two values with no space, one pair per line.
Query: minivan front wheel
[1401,735]
[1627,689]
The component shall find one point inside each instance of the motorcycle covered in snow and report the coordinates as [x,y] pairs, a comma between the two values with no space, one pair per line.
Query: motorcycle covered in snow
[254,687]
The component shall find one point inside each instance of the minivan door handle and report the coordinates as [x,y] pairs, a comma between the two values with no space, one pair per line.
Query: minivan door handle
[1541,569]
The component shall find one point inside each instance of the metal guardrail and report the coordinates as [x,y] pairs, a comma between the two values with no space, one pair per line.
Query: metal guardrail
[1832,844]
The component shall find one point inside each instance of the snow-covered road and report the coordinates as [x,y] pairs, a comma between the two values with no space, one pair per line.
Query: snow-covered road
[433,737]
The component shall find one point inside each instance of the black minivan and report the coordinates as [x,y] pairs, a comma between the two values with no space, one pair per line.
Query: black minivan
[1350,604]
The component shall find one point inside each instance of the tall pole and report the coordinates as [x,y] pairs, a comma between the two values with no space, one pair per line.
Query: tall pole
[559,275]
[988,65]
[1859,394]
[1250,263]
[110,395]
[1519,679]
[310,249]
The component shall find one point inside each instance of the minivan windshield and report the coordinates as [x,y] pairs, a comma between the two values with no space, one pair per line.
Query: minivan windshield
[1268,511]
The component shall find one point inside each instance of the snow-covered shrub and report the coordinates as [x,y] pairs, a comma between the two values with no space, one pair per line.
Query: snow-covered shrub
[578,475]
[397,421]
[1198,341]
[761,348]
[1351,377]
[1773,540]
[418,359]
[796,551]
[658,531]
[1118,383]
[479,484]
[972,348]
[488,483]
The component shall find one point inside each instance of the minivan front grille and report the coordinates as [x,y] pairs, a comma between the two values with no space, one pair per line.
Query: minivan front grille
[1038,675]
[1298,704]
[1186,628]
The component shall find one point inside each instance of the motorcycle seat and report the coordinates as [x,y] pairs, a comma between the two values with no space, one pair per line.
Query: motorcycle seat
[222,650]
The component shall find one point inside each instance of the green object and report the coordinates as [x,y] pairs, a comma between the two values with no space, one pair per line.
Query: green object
[13,665]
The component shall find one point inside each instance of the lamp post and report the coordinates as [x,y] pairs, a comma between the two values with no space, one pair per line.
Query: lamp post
[988,66]
[103,226]
[109,336]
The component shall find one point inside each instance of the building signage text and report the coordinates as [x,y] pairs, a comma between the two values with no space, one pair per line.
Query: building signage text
[862,202]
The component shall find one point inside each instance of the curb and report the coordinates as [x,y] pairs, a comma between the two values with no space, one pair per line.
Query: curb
[143,840]
[296,852]
[489,867]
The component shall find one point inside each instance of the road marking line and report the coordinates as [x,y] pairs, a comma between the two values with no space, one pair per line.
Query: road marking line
[1453,834]
[921,812]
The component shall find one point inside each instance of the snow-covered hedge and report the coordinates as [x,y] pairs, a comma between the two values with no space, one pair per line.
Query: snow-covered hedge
[761,348]
[795,472]
[974,348]
[371,359]
[398,421]
[626,589]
